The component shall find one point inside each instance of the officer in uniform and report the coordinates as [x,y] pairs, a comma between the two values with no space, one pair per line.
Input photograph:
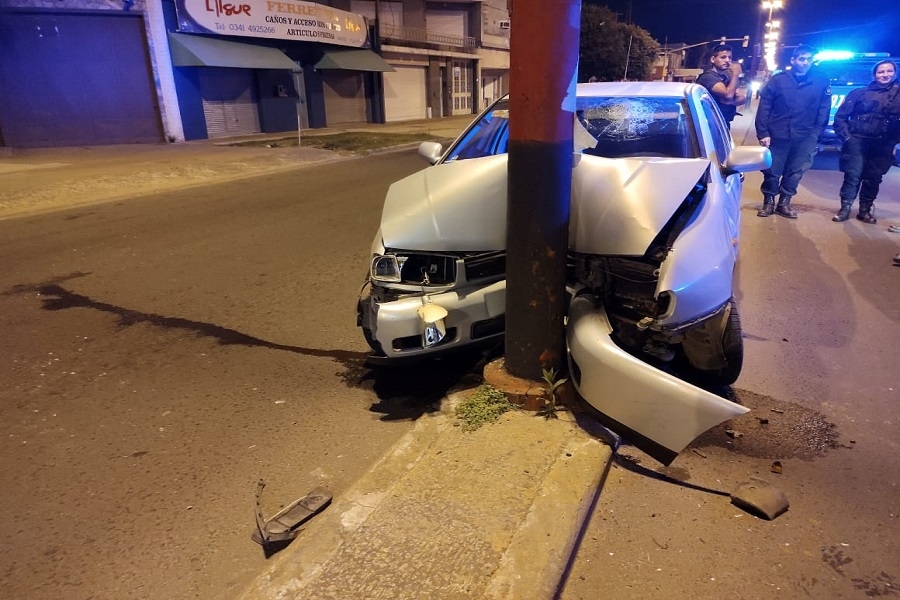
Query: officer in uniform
[868,122]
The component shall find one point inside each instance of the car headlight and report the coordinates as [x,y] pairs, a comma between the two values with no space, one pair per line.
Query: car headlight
[385,269]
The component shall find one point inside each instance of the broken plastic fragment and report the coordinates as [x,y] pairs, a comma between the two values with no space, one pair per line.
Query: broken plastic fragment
[285,525]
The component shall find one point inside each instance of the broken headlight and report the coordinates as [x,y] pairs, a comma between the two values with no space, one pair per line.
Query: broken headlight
[385,269]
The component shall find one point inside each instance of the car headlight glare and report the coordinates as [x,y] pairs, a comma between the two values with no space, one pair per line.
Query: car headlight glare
[386,269]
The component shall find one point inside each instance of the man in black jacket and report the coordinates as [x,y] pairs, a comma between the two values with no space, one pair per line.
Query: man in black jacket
[793,110]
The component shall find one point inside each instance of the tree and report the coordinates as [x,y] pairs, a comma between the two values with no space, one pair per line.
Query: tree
[604,47]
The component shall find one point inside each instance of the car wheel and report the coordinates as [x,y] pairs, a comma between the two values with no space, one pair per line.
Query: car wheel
[732,350]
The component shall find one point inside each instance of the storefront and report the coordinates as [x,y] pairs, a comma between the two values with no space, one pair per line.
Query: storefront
[270,67]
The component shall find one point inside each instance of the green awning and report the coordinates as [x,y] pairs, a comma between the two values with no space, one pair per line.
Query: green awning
[198,51]
[352,59]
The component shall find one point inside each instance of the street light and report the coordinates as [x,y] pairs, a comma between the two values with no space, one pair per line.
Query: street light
[771,36]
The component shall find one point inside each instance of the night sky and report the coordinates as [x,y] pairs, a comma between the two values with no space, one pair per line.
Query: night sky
[860,26]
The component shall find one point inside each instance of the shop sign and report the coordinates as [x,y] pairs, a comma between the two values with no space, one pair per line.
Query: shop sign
[282,19]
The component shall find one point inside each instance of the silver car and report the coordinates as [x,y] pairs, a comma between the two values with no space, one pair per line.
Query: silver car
[653,240]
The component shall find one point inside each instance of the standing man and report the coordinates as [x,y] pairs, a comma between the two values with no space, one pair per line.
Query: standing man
[793,110]
[721,79]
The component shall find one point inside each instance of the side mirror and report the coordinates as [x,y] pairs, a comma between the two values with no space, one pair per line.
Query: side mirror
[431,151]
[742,159]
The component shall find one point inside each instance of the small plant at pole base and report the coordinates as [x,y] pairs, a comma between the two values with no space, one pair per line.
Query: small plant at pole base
[549,410]
[484,405]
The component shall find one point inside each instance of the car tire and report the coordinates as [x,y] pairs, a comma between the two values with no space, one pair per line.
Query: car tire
[732,350]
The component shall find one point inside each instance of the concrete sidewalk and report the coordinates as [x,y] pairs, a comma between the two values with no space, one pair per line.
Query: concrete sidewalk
[493,513]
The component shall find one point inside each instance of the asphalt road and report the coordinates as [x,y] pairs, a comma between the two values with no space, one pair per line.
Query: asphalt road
[161,354]
[821,320]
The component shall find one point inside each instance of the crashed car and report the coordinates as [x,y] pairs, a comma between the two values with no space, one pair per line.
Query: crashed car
[653,240]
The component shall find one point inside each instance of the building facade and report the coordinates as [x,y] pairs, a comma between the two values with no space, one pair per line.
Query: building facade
[86,72]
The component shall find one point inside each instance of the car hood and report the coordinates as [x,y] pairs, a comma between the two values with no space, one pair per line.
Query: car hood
[618,205]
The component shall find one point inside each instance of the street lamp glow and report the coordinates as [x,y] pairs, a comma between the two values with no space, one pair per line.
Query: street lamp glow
[772,4]
[773,24]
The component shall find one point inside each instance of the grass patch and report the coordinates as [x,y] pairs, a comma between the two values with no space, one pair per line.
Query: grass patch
[348,141]
[484,405]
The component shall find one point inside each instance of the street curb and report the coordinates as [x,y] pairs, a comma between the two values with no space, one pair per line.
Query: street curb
[554,524]
[530,567]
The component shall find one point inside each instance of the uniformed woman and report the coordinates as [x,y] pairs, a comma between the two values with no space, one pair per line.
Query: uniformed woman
[868,122]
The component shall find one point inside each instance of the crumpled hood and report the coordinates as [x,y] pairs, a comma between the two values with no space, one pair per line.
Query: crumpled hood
[618,205]
[455,206]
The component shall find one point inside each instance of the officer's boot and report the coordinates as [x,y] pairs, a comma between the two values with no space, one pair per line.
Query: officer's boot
[784,207]
[843,214]
[768,206]
[866,212]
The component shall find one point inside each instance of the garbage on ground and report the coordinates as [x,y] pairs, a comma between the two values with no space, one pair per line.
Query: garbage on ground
[761,498]
[283,527]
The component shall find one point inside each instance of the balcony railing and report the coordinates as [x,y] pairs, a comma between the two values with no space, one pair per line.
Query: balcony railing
[423,36]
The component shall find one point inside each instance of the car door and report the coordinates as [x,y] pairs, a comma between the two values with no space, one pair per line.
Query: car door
[725,190]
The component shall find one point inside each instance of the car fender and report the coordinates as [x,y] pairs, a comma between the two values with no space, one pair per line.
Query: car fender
[699,270]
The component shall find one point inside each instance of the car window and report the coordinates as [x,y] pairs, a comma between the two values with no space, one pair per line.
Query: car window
[720,135]
[633,126]
[613,127]
[488,136]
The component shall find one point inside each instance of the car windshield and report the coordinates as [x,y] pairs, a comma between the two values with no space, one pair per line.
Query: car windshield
[613,127]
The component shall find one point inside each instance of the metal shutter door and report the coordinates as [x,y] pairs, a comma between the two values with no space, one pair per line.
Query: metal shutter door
[69,80]
[345,97]
[404,94]
[447,22]
[229,101]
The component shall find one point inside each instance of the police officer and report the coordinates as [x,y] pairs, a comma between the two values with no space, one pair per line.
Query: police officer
[868,122]
[793,110]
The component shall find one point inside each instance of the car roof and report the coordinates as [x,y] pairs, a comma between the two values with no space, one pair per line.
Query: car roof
[636,88]
[649,89]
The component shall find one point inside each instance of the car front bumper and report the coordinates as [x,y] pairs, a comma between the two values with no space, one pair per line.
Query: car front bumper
[396,331]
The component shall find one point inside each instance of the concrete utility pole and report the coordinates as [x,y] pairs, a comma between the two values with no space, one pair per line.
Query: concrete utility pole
[543,67]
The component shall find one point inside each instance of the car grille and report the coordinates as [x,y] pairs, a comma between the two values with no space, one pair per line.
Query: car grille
[487,265]
[418,268]
[433,269]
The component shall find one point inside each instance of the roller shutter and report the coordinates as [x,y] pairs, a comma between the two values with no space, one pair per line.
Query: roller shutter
[404,94]
[345,97]
[73,79]
[447,22]
[229,101]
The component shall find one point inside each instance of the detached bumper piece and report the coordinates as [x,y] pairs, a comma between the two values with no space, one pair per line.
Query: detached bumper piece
[281,529]
[665,410]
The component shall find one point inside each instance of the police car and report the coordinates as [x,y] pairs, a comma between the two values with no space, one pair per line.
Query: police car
[846,71]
